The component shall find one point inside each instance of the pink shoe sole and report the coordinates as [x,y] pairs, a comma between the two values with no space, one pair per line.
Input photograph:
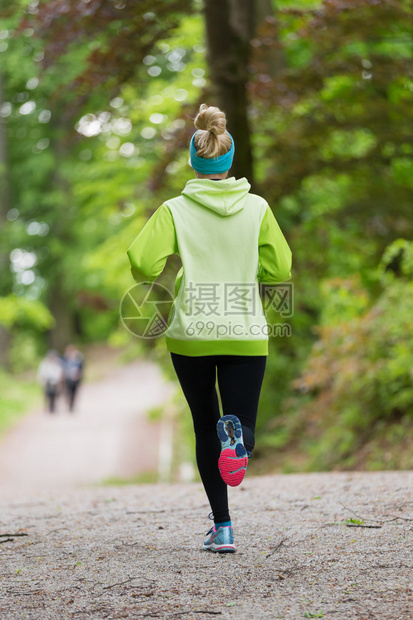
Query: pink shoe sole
[232,468]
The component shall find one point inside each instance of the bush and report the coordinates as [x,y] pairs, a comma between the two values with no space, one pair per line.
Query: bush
[355,396]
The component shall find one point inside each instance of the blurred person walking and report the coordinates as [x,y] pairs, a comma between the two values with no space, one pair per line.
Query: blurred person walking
[50,375]
[73,363]
[229,241]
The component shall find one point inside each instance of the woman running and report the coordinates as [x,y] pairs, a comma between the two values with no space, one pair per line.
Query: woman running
[229,242]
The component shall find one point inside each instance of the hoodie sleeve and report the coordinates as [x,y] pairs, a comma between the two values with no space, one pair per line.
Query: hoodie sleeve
[156,241]
[273,252]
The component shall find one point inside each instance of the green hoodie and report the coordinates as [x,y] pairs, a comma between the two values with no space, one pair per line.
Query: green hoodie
[228,241]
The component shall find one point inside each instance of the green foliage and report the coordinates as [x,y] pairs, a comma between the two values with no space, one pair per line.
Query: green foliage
[353,521]
[339,108]
[25,351]
[80,195]
[342,299]
[146,477]
[397,259]
[330,138]
[24,313]
[18,395]
[358,378]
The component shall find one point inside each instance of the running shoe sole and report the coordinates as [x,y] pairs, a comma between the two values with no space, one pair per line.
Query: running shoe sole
[220,548]
[233,460]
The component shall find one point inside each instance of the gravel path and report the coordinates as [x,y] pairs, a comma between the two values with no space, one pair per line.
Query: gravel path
[108,435]
[134,552]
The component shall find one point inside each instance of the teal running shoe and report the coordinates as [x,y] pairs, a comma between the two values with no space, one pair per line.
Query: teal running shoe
[220,540]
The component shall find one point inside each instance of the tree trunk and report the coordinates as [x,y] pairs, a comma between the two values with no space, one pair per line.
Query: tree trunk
[228,40]
[269,56]
[60,300]
[5,343]
[6,280]
[60,305]
[230,27]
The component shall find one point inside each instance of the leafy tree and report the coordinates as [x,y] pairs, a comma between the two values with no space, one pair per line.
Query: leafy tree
[231,31]
[123,34]
[24,165]
[331,133]
[50,173]
[339,115]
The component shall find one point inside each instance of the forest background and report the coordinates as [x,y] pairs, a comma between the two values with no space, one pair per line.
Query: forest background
[97,100]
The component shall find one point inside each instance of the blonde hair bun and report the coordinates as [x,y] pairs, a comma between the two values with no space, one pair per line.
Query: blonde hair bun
[210,118]
[212,139]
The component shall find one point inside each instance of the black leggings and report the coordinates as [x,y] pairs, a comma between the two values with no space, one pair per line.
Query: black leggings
[71,390]
[239,380]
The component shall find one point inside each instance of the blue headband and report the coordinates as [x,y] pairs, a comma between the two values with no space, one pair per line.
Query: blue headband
[215,164]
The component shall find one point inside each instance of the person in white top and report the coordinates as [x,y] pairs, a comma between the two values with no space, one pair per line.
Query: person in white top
[51,375]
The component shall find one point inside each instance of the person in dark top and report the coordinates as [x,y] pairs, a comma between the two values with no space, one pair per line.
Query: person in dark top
[73,368]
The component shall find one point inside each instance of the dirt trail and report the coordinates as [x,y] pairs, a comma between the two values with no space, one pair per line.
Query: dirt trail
[134,552]
[107,436]
[336,546]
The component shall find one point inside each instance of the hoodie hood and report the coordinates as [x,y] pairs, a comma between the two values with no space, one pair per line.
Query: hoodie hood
[225,197]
